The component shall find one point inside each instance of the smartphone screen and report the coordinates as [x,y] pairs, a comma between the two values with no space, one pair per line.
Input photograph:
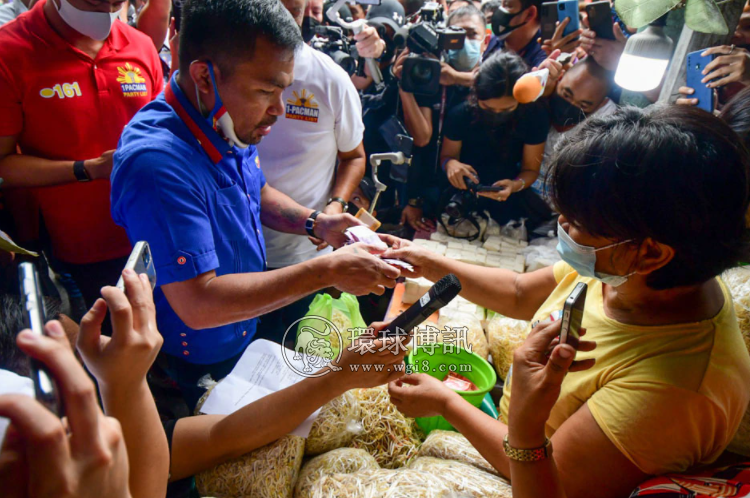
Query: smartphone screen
[140,261]
[34,318]
[573,316]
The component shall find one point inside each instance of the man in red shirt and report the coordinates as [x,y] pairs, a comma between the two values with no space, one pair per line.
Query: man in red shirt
[71,78]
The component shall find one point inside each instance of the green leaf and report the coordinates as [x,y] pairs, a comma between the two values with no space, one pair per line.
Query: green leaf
[704,16]
[639,13]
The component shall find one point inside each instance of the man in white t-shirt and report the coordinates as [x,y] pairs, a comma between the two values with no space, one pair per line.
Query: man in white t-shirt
[322,125]
[581,93]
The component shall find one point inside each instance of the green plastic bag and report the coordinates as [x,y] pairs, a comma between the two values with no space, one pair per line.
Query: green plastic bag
[343,313]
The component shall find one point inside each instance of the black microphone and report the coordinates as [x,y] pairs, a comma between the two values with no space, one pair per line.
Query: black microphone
[443,292]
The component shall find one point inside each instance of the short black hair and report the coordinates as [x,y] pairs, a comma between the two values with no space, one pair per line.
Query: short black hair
[525,4]
[491,6]
[11,323]
[736,113]
[675,174]
[467,11]
[498,75]
[225,31]
[595,70]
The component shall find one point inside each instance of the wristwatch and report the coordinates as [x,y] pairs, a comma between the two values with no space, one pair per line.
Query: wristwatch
[80,171]
[417,202]
[310,224]
[531,455]
[341,201]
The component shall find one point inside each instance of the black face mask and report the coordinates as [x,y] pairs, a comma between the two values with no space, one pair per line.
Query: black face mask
[308,28]
[564,113]
[501,20]
[495,119]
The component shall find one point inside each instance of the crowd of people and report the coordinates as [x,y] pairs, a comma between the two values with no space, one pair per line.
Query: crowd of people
[234,137]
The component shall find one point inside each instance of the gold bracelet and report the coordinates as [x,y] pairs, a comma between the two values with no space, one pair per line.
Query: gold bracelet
[530,455]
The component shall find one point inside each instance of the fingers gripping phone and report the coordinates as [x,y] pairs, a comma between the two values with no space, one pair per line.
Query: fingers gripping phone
[600,19]
[140,261]
[573,316]
[695,66]
[569,8]
[35,317]
[548,20]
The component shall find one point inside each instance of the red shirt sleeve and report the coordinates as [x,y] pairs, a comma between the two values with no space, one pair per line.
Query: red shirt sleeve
[10,105]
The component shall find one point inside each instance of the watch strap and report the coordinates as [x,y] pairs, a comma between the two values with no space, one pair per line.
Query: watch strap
[341,201]
[529,455]
[310,224]
[79,170]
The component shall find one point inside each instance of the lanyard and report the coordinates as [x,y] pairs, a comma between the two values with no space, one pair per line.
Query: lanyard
[443,101]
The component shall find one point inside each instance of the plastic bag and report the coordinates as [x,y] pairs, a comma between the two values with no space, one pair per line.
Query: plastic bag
[738,282]
[515,230]
[387,434]
[505,335]
[338,423]
[450,445]
[493,227]
[342,312]
[464,479]
[382,483]
[340,461]
[473,335]
[268,472]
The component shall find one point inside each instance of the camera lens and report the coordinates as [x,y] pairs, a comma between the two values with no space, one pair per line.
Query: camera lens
[422,73]
[146,258]
[344,60]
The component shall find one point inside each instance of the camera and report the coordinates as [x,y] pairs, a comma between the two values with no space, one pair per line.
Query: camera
[461,204]
[430,36]
[333,42]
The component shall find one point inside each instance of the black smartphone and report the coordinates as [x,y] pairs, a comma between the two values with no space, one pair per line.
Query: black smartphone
[35,317]
[140,261]
[549,20]
[177,13]
[573,316]
[489,188]
[600,19]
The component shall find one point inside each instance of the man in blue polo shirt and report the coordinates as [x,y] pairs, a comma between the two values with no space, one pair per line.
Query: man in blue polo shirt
[520,24]
[187,179]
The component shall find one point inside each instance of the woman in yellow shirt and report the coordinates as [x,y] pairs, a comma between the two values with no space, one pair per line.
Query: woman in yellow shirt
[652,209]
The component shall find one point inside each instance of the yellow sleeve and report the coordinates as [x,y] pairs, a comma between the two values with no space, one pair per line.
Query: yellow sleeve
[561,270]
[659,427]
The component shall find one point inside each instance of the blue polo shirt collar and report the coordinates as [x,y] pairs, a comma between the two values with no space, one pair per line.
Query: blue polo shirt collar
[207,137]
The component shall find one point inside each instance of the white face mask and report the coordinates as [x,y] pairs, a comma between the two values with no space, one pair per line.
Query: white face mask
[96,25]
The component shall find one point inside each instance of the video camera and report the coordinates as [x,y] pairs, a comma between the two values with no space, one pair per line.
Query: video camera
[333,42]
[421,74]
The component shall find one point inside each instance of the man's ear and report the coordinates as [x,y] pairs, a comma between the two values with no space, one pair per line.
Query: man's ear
[652,256]
[201,77]
[531,14]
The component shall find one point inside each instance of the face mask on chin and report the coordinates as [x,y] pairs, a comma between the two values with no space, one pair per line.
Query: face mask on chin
[219,118]
[501,23]
[564,114]
[96,25]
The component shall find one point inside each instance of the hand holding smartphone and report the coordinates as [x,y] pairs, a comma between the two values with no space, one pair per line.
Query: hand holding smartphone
[573,316]
[695,66]
[35,318]
[140,261]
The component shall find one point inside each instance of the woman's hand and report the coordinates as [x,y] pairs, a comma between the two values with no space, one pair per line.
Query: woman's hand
[415,255]
[414,217]
[685,99]
[456,172]
[44,457]
[501,196]
[732,66]
[420,395]
[537,376]
[566,44]
[120,363]
[605,52]
[386,354]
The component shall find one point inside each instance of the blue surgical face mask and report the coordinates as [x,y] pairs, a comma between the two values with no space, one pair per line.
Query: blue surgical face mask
[219,118]
[467,58]
[583,258]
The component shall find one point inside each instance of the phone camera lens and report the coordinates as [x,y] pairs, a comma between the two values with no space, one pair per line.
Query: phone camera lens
[146,258]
